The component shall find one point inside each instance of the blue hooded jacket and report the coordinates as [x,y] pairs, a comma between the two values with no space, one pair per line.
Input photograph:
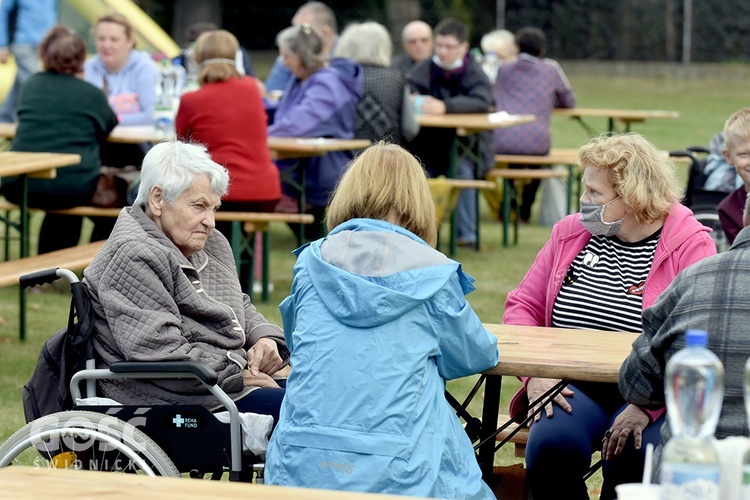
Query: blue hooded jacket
[376,323]
[323,105]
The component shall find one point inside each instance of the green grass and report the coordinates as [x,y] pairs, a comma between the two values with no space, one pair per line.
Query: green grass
[703,106]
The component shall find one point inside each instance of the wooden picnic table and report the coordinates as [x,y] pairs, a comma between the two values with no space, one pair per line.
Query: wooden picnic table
[561,353]
[467,124]
[31,482]
[625,116]
[22,165]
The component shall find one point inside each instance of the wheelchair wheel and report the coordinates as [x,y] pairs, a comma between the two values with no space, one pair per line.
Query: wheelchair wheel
[86,440]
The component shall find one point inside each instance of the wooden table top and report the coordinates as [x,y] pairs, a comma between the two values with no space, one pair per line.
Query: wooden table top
[471,123]
[590,355]
[13,163]
[30,482]
[301,147]
[281,147]
[624,115]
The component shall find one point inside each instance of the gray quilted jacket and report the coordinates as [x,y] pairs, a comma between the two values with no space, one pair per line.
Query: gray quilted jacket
[152,303]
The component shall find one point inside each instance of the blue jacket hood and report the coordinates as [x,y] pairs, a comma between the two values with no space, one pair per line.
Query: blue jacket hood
[344,270]
[351,74]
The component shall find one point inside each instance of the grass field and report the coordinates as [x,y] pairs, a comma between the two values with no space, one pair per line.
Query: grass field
[703,105]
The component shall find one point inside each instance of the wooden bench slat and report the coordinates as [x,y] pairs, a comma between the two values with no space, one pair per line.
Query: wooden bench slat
[73,258]
[519,439]
[526,173]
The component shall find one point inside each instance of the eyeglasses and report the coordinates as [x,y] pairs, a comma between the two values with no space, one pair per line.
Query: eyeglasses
[446,46]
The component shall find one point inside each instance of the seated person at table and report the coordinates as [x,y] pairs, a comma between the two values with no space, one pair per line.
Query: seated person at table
[165,287]
[323,20]
[320,101]
[712,295]
[737,153]
[376,323]
[384,112]
[529,85]
[60,113]
[226,115]
[598,271]
[451,82]
[127,76]
[498,47]
[416,40]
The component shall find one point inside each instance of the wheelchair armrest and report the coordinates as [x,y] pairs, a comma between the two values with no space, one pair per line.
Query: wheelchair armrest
[205,374]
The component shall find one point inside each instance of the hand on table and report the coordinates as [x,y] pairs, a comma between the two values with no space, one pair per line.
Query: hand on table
[631,420]
[264,357]
[536,387]
[432,106]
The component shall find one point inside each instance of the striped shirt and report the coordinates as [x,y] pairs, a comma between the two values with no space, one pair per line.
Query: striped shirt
[603,289]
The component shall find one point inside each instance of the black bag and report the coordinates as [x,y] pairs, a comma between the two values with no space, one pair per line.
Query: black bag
[62,355]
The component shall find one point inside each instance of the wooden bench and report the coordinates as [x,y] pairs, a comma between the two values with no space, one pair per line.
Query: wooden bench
[519,439]
[445,192]
[510,195]
[242,247]
[74,258]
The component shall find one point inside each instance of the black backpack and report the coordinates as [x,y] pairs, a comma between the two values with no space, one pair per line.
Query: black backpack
[62,355]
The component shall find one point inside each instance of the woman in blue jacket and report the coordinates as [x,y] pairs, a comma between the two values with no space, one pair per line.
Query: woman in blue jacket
[321,101]
[376,323]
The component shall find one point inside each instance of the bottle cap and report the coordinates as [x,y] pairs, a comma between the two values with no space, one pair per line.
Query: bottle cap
[696,338]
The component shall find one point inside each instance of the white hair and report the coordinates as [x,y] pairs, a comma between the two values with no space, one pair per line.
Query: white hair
[173,165]
[367,43]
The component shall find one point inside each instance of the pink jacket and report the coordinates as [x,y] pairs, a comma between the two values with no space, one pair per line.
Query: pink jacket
[683,241]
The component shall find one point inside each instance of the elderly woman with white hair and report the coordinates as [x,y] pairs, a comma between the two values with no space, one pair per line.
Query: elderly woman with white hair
[384,112]
[164,287]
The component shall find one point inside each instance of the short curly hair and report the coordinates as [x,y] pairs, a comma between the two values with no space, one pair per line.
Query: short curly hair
[640,174]
[62,51]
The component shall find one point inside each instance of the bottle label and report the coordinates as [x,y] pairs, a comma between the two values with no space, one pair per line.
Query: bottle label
[746,482]
[685,481]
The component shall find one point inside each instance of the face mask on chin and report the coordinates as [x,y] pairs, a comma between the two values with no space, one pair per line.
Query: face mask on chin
[592,218]
[448,67]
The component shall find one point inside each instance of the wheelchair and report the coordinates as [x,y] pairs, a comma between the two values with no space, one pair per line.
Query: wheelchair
[164,440]
[703,202]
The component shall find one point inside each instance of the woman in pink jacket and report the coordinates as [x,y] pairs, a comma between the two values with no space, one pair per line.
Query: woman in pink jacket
[598,271]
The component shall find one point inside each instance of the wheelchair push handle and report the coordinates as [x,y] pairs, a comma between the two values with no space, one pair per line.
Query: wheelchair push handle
[46,276]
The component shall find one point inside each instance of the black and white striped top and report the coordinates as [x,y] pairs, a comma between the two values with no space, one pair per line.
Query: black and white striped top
[603,289]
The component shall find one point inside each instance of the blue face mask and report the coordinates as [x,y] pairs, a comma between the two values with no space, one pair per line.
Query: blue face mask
[592,218]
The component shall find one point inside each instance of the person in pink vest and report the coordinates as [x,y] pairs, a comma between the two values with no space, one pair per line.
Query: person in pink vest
[598,271]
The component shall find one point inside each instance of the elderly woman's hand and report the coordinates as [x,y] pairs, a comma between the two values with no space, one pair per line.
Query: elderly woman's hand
[631,419]
[264,357]
[536,387]
[259,380]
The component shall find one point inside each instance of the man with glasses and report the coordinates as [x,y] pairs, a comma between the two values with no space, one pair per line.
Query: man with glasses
[416,38]
[452,82]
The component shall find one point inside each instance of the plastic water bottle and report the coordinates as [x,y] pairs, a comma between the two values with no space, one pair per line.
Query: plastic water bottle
[167,99]
[694,386]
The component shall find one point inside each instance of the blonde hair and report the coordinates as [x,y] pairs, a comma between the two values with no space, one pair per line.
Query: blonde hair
[640,174]
[737,127]
[221,46]
[385,182]
[501,42]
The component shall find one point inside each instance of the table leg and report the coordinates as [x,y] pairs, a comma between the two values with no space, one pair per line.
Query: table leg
[507,195]
[266,236]
[490,411]
[24,222]
[452,174]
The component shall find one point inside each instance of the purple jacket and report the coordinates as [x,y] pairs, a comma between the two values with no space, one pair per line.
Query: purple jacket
[683,241]
[529,86]
[324,105]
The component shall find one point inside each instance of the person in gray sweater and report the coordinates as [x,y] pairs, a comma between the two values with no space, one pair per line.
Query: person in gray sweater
[165,287]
